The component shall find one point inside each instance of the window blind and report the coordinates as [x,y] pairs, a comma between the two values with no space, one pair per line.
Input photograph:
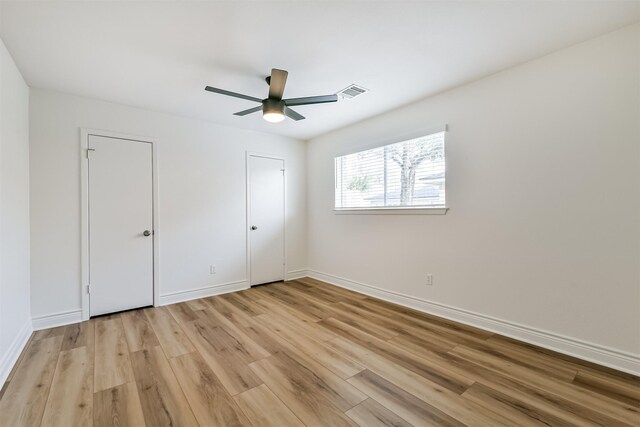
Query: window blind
[404,174]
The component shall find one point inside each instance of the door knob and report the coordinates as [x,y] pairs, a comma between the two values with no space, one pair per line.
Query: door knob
[146,233]
[253,227]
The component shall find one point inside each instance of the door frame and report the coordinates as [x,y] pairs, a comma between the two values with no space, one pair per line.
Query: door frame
[84,211]
[248,156]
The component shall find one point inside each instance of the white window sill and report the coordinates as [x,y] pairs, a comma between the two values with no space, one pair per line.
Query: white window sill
[391,211]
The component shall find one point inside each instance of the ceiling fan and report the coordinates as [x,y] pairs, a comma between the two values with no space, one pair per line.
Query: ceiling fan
[274,108]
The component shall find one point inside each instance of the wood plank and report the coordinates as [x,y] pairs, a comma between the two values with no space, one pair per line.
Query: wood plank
[229,311]
[280,292]
[342,394]
[197,304]
[182,312]
[210,402]
[423,318]
[437,351]
[306,395]
[138,331]
[264,409]
[340,365]
[15,367]
[317,291]
[520,412]
[118,406]
[345,314]
[70,400]
[266,341]
[4,388]
[75,335]
[437,396]
[311,329]
[563,359]
[527,360]
[426,367]
[212,317]
[544,403]
[305,295]
[112,363]
[366,326]
[346,391]
[24,401]
[163,402]
[248,295]
[308,347]
[411,325]
[329,291]
[271,305]
[225,354]
[398,401]
[245,303]
[49,333]
[338,290]
[607,406]
[426,331]
[173,340]
[610,386]
[417,344]
[372,414]
[318,306]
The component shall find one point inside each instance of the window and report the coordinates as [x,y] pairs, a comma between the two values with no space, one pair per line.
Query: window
[407,174]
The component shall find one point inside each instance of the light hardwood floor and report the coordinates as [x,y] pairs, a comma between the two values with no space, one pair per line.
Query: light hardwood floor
[302,353]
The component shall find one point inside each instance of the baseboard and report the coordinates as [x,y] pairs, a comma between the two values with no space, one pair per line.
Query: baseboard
[75,316]
[297,274]
[207,291]
[11,356]
[57,319]
[609,357]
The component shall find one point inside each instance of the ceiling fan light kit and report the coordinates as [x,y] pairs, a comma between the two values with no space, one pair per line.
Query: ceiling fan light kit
[274,108]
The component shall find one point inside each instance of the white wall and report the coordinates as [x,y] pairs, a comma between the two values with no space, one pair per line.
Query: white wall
[543,183]
[15,317]
[201,196]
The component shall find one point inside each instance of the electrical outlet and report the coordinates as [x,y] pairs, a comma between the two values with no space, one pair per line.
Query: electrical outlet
[212,269]
[429,279]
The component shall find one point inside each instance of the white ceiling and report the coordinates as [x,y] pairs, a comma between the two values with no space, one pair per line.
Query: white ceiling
[160,55]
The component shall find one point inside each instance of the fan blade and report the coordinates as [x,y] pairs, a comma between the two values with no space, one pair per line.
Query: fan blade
[249,111]
[311,100]
[293,115]
[277,82]
[235,95]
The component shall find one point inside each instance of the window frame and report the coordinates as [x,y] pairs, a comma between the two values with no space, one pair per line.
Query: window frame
[393,210]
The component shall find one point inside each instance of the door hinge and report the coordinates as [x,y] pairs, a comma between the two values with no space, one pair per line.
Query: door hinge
[90,150]
[89,289]
[282,171]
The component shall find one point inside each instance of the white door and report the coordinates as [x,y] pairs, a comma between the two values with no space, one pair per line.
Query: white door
[266,219]
[120,224]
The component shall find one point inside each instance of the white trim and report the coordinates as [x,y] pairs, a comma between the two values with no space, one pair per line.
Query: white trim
[10,358]
[591,352]
[390,211]
[207,291]
[57,319]
[248,156]
[84,212]
[296,274]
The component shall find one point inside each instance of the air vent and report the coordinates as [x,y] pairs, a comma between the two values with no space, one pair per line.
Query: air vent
[352,91]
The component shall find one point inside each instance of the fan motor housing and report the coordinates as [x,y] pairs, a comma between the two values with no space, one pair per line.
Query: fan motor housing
[273,106]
